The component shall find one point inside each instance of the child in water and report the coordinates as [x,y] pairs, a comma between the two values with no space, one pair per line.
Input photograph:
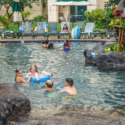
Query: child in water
[19,74]
[69,87]
[34,72]
[49,86]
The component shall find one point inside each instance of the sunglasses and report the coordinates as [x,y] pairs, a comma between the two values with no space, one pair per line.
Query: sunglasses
[20,72]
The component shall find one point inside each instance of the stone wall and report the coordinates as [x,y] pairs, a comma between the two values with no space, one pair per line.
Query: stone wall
[11,102]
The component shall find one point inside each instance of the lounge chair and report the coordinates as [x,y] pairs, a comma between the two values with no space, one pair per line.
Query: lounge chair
[8,33]
[53,29]
[65,33]
[88,29]
[27,29]
[40,30]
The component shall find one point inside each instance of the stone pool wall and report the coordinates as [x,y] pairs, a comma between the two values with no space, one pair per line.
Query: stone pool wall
[101,59]
[15,110]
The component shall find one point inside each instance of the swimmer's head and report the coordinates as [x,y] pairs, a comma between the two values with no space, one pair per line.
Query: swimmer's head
[57,42]
[69,82]
[18,72]
[49,84]
[33,69]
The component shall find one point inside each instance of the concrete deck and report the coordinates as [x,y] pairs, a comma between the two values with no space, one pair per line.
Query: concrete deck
[52,39]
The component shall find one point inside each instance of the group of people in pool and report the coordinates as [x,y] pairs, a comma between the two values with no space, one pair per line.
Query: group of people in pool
[70,89]
[48,45]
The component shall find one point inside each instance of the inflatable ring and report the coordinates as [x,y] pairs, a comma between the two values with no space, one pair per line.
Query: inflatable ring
[42,78]
[51,95]
[59,45]
[66,49]
[71,96]
[77,32]
[73,33]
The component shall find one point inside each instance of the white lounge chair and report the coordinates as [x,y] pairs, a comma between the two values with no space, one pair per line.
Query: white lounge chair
[88,29]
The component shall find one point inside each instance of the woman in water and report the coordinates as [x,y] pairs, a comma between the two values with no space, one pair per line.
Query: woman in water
[19,74]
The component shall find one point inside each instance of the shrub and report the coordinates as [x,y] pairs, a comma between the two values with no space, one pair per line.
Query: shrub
[39,18]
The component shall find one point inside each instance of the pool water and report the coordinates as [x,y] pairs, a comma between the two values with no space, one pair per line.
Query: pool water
[96,86]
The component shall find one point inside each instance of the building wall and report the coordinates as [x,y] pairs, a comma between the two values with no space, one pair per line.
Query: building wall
[39,10]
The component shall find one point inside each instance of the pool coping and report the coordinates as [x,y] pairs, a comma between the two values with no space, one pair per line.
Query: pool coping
[40,41]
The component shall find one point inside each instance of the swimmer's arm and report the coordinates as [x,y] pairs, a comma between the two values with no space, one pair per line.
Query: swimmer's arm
[23,80]
[64,90]
[61,48]
[44,72]
[27,75]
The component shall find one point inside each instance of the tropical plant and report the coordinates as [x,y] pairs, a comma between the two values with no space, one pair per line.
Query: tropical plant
[39,18]
[24,3]
[25,15]
[97,14]
[111,3]
[5,20]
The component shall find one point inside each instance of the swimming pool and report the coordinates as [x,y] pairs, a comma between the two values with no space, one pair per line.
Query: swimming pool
[96,86]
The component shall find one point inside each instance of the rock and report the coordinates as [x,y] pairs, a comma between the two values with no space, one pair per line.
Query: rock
[11,102]
[83,115]
[88,56]
[109,43]
[98,48]
[110,60]
[101,59]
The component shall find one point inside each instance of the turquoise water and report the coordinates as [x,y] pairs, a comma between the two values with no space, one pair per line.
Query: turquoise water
[96,86]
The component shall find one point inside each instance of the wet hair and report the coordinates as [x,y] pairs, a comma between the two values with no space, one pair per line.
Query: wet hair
[49,83]
[66,44]
[16,71]
[34,66]
[70,81]
[50,46]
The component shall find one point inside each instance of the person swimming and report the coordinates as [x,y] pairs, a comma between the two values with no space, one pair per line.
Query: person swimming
[34,72]
[49,86]
[70,89]
[19,74]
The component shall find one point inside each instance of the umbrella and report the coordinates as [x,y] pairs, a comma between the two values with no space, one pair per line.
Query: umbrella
[17,17]
[73,3]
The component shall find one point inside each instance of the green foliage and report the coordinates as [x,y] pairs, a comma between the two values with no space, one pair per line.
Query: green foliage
[114,48]
[100,18]
[111,48]
[39,18]
[25,15]
[5,20]
[97,14]
[110,3]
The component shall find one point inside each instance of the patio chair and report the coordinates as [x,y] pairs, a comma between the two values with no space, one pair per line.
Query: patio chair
[80,24]
[65,33]
[40,30]
[88,29]
[27,29]
[8,33]
[53,29]
[61,18]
